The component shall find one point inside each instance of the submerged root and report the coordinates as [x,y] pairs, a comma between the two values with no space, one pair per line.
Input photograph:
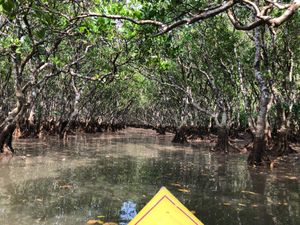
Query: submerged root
[229,147]
[258,156]
[279,149]
[6,156]
[234,148]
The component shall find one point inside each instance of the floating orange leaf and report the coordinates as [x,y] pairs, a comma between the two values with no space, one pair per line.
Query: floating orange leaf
[93,222]
[67,186]
[184,190]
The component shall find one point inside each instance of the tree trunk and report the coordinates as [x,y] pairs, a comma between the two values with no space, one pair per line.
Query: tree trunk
[8,127]
[30,128]
[223,140]
[67,128]
[180,136]
[281,145]
[6,137]
[161,130]
[259,145]
[223,133]
[256,155]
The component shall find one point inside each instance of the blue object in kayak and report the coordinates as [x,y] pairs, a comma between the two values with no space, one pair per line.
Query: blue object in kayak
[128,212]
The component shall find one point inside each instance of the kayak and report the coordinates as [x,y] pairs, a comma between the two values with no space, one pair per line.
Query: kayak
[165,209]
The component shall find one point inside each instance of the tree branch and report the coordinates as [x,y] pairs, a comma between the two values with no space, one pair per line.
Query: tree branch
[239,26]
[205,14]
[290,11]
[119,17]
[261,15]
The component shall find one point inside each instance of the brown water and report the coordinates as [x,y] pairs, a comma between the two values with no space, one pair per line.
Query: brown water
[89,177]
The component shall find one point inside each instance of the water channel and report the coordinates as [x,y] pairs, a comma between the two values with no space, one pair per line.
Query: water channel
[52,182]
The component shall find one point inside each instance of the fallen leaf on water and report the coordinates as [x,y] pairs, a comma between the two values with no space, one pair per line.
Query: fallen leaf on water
[249,192]
[39,200]
[184,190]
[226,204]
[241,204]
[67,186]
[176,184]
[92,222]
[291,178]
[254,206]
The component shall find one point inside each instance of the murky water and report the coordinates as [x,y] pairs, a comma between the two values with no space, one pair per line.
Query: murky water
[90,177]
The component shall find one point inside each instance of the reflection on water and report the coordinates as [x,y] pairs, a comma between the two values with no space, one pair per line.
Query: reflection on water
[91,177]
[127,212]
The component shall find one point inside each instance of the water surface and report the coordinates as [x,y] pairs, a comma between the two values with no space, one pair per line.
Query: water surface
[91,176]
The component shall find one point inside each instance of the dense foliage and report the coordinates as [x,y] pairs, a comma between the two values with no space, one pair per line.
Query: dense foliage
[67,64]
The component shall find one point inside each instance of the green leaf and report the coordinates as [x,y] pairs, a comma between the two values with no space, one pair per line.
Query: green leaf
[18,50]
[8,5]
[82,29]
[41,33]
